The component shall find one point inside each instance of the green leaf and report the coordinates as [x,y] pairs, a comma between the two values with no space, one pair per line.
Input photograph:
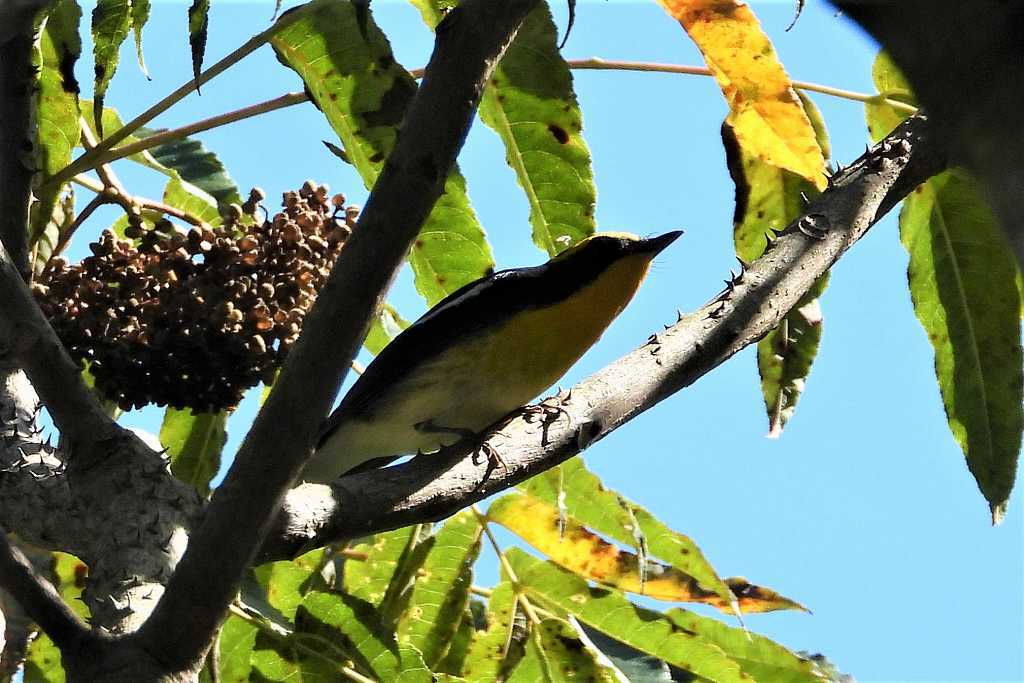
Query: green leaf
[364,93]
[198,22]
[194,443]
[111,20]
[556,653]
[43,660]
[185,196]
[762,659]
[455,658]
[611,613]
[882,118]
[529,101]
[487,654]
[111,124]
[237,640]
[197,165]
[386,325]
[441,593]
[962,284]
[769,198]
[581,495]
[287,582]
[140,15]
[392,561]
[284,660]
[58,131]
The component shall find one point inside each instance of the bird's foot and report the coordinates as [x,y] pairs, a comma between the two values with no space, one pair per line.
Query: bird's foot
[548,410]
[477,440]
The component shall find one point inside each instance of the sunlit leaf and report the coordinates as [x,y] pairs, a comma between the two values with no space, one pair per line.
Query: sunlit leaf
[386,325]
[636,666]
[111,21]
[286,582]
[487,653]
[112,123]
[185,196]
[441,592]
[529,101]
[764,109]
[883,117]
[962,284]
[194,444]
[392,561]
[236,642]
[610,612]
[555,653]
[583,552]
[56,103]
[579,494]
[364,93]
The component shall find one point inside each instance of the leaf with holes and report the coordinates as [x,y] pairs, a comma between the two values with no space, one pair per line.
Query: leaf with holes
[530,103]
[764,109]
[364,92]
[579,494]
[962,284]
[56,101]
[194,444]
[441,592]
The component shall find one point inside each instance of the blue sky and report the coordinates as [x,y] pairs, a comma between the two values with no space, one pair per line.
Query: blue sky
[863,510]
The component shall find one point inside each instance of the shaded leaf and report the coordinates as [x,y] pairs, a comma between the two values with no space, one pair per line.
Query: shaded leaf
[198,23]
[586,554]
[364,93]
[61,219]
[579,494]
[764,109]
[199,166]
[43,660]
[441,592]
[488,652]
[392,561]
[556,653]
[194,444]
[962,284]
[636,666]
[455,658]
[529,101]
[111,20]
[289,659]
[769,198]
[611,613]
[57,131]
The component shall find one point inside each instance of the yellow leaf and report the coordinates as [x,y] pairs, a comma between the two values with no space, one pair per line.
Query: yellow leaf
[590,556]
[764,110]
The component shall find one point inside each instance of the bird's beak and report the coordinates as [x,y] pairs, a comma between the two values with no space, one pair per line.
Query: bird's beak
[655,245]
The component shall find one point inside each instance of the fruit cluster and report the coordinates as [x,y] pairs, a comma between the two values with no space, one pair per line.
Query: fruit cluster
[193,319]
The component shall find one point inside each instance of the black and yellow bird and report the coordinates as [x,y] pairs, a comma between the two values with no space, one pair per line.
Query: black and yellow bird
[482,352]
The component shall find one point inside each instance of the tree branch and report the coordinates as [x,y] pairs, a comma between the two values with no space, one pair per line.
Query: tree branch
[431,488]
[17,77]
[39,599]
[965,61]
[469,42]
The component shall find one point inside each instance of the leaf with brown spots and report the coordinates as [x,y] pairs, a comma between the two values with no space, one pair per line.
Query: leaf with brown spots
[355,81]
[556,652]
[488,654]
[764,109]
[583,552]
[611,613]
[531,105]
[579,496]
[440,595]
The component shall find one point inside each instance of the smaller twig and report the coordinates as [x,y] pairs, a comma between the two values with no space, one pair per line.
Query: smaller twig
[521,597]
[481,591]
[39,598]
[127,202]
[65,237]
[103,170]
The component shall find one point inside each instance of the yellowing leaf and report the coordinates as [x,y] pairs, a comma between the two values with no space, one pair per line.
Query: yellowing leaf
[588,555]
[769,118]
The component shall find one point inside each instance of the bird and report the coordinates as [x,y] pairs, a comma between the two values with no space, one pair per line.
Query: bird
[481,353]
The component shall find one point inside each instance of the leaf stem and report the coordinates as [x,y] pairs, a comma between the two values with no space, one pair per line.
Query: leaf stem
[528,608]
[114,197]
